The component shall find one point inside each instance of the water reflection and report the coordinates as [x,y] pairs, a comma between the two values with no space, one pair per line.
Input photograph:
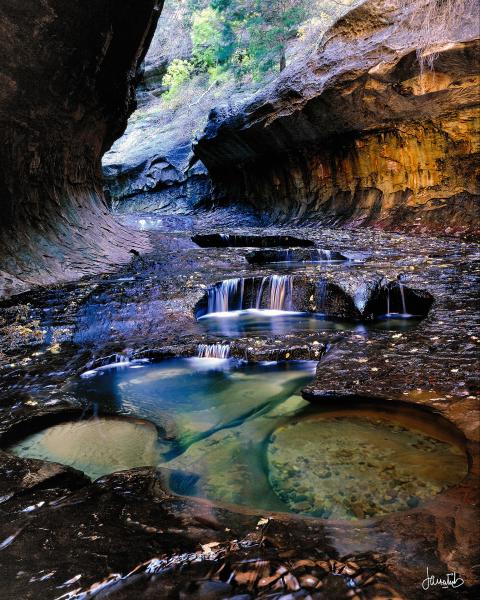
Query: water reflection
[274,322]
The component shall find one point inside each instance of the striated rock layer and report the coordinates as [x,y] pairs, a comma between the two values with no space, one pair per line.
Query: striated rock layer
[67,77]
[362,134]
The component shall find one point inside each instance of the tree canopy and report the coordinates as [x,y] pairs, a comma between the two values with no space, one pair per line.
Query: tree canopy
[246,39]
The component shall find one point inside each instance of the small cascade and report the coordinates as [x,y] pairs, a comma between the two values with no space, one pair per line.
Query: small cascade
[321,296]
[227,295]
[258,297]
[239,294]
[281,288]
[121,358]
[324,255]
[402,295]
[213,351]
[115,361]
[294,256]
[390,302]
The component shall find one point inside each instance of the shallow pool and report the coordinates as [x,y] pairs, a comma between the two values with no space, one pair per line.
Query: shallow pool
[240,433]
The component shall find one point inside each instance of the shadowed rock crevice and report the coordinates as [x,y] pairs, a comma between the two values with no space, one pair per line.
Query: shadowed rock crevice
[226,240]
[397,298]
[263,257]
[68,77]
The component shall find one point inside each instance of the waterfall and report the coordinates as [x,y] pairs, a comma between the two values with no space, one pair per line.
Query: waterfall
[321,296]
[222,296]
[213,351]
[258,298]
[281,288]
[121,358]
[324,255]
[230,294]
[401,290]
[402,295]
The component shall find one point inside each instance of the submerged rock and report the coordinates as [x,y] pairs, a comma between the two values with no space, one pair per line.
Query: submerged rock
[344,466]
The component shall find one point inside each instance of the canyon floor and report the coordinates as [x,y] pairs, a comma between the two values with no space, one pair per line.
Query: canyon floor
[127,534]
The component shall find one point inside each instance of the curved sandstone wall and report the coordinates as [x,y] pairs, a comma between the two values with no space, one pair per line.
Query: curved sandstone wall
[67,78]
[361,134]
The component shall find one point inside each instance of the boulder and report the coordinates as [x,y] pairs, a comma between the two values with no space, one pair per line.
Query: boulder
[147,171]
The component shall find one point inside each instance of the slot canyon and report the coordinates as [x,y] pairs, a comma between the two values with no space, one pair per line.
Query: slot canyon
[239,299]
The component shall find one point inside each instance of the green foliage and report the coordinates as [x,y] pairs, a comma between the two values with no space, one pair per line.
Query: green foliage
[206,38]
[245,39]
[178,72]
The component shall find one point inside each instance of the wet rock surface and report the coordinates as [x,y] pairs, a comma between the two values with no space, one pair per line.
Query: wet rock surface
[75,533]
[140,178]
